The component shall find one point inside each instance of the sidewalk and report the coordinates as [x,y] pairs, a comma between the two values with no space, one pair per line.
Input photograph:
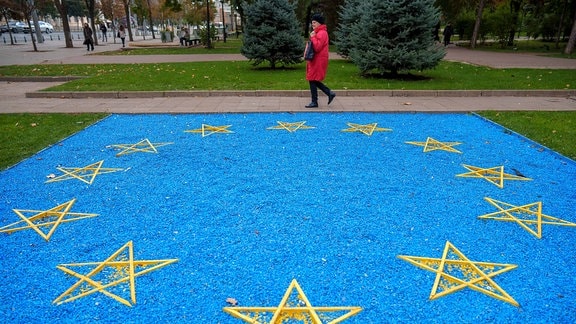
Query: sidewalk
[14,93]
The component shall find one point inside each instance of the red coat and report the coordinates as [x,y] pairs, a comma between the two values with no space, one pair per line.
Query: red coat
[317,67]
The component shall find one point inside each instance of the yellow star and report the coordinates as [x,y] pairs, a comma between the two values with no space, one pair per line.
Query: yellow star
[85,174]
[367,129]
[493,175]
[294,306]
[455,272]
[433,145]
[291,127]
[119,269]
[45,218]
[529,216]
[143,146]
[206,130]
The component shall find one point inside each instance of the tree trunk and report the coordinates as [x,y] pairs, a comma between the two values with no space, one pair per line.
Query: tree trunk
[560,25]
[208,34]
[128,20]
[572,39]
[150,20]
[515,10]
[63,10]
[476,31]
[5,15]
[29,7]
[32,35]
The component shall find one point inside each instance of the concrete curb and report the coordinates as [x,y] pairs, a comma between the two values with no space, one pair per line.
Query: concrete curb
[300,93]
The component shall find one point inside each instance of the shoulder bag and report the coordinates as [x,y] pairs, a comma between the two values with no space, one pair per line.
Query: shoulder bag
[309,51]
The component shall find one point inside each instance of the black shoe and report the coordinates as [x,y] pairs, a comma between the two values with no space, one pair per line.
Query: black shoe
[331,97]
[312,105]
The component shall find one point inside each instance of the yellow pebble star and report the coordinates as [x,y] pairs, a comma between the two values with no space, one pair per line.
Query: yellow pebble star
[494,175]
[294,307]
[85,174]
[144,146]
[291,127]
[206,130]
[367,129]
[40,219]
[118,273]
[454,272]
[529,216]
[434,145]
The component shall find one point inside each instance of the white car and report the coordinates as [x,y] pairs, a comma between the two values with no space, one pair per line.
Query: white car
[44,27]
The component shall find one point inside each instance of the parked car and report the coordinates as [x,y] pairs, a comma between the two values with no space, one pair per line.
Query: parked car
[140,28]
[15,26]
[44,27]
[25,28]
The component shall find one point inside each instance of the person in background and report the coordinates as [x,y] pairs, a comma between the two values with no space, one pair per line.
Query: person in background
[184,36]
[448,32]
[317,67]
[104,30]
[122,35]
[88,40]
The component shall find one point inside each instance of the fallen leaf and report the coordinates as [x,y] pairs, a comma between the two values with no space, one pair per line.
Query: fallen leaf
[407,103]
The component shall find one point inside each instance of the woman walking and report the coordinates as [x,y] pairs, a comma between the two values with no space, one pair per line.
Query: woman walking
[317,67]
[88,40]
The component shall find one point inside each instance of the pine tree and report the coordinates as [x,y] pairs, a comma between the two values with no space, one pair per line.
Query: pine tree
[272,33]
[349,15]
[395,35]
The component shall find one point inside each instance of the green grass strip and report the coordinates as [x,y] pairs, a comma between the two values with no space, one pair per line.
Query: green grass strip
[241,75]
[553,129]
[23,135]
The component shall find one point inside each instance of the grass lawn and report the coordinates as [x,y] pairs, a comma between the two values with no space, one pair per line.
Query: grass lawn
[538,46]
[23,135]
[241,75]
[555,130]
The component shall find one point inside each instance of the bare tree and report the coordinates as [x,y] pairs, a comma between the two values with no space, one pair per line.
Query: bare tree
[7,13]
[26,7]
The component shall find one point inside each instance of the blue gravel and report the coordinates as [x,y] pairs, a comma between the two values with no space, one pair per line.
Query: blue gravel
[246,212]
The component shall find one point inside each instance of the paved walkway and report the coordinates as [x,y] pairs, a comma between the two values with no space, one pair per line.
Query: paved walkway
[14,97]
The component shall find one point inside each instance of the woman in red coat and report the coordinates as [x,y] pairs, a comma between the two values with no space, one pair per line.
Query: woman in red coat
[317,67]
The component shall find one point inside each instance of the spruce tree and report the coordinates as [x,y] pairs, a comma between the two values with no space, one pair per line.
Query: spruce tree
[349,15]
[395,35]
[272,33]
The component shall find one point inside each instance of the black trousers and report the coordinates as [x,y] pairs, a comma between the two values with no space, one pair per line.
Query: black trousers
[314,86]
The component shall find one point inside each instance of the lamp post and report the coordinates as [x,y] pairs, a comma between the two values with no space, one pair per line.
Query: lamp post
[223,21]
